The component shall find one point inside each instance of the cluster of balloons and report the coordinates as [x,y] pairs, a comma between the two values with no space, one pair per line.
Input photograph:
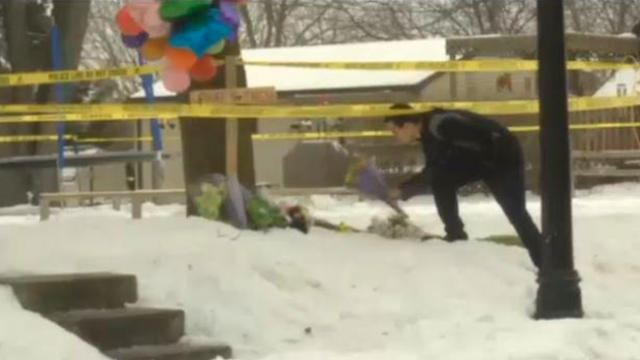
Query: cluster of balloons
[183,34]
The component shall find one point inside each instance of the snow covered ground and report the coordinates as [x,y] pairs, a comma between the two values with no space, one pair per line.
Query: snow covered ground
[329,296]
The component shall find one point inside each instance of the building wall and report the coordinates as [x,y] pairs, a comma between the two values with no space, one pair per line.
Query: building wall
[173,168]
[113,177]
[267,161]
[268,155]
[110,177]
[471,86]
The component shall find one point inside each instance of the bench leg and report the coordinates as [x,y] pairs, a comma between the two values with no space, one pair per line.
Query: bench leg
[136,208]
[45,210]
[117,202]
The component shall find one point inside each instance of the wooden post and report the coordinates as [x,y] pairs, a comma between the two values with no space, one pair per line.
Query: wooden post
[231,127]
[117,202]
[45,210]
[453,82]
[136,207]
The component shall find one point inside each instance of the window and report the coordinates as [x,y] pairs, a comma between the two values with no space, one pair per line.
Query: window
[622,89]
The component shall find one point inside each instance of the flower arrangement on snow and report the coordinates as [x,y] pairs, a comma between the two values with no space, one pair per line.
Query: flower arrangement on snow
[184,35]
[221,198]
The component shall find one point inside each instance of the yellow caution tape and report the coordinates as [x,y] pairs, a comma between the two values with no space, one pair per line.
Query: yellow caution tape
[379,134]
[603,126]
[30,138]
[114,139]
[53,77]
[513,107]
[487,65]
[321,135]
[121,139]
[577,127]
[445,66]
[87,117]
[112,112]
[597,65]
[78,140]
[208,111]
[290,136]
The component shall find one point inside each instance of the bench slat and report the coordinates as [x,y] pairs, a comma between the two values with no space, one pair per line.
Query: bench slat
[610,154]
[608,172]
[137,198]
[140,193]
[310,191]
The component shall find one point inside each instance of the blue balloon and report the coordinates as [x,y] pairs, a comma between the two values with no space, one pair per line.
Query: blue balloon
[202,32]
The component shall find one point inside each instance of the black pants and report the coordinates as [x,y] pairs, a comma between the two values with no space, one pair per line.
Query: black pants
[507,184]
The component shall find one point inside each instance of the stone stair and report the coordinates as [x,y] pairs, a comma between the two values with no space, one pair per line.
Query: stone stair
[93,306]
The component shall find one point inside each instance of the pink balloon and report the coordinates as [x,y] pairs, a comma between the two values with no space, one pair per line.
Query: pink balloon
[153,24]
[140,3]
[175,80]
[138,9]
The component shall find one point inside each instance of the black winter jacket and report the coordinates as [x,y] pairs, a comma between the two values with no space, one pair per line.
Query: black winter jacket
[464,145]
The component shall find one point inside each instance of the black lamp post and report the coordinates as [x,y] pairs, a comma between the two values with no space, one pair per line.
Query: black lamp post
[559,291]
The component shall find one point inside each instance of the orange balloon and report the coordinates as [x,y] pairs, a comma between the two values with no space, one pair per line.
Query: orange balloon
[180,58]
[204,69]
[154,49]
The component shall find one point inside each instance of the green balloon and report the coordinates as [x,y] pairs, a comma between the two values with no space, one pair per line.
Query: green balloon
[217,48]
[177,9]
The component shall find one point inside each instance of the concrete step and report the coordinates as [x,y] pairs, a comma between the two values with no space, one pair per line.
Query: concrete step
[172,352]
[123,328]
[56,293]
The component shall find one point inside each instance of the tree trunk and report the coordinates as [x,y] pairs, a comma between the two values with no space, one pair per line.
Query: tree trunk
[203,140]
[16,183]
[28,30]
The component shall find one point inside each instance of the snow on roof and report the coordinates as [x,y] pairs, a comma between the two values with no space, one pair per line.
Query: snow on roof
[290,78]
[622,81]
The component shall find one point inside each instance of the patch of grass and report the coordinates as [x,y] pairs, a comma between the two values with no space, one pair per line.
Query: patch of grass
[509,240]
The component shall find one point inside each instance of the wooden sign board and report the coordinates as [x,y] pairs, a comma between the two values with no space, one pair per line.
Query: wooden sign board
[254,96]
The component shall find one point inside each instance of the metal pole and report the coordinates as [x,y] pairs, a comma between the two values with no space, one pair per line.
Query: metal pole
[231,127]
[157,165]
[59,94]
[559,293]
[140,167]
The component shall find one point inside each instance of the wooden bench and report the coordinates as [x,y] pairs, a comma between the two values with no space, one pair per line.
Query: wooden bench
[609,163]
[137,199]
[278,191]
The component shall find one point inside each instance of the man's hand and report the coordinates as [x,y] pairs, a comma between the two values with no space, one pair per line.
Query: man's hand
[395,194]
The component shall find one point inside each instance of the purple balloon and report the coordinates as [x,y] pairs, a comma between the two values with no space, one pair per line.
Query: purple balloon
[135,41]
[233,38]
[372,183]
[230,13]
